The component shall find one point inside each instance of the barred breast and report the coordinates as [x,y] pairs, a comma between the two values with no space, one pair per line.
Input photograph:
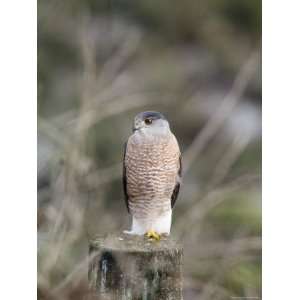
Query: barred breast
[151,166]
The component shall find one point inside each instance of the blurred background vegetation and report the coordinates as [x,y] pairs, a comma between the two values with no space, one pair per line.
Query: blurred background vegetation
[198,62]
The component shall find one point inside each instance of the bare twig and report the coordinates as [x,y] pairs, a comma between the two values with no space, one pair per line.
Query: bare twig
[230,156]
[213,198]
[76,274]
[223,112]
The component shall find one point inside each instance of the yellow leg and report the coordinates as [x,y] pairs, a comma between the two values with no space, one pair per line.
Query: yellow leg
[151,234]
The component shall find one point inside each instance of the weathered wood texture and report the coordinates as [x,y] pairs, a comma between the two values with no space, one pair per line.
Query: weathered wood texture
[134,268]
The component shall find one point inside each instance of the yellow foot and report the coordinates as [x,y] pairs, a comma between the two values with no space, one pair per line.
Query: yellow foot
[151,234]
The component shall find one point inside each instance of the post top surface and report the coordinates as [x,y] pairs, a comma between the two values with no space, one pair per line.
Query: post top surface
[133,243]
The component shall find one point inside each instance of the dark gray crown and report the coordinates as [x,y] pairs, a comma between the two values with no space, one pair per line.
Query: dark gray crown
[154,115]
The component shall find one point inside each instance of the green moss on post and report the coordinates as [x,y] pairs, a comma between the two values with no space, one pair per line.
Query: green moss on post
[131,267]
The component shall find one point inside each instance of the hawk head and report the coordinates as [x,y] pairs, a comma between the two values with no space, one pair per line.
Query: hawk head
[151,122]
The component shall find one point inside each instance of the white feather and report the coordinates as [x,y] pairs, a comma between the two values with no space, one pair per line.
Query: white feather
[161,224]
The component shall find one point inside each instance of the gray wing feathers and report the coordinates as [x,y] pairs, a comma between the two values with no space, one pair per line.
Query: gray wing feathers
[125,179]
[177,185]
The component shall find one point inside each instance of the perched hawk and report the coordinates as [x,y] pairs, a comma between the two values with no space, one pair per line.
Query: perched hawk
[151,174]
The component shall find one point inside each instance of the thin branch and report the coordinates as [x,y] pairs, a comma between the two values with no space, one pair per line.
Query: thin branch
[226,107]
[213,198]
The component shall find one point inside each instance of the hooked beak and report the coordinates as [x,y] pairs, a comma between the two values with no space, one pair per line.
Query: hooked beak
[135,127]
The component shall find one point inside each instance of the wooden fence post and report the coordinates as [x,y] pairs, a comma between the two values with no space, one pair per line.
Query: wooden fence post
[130,267]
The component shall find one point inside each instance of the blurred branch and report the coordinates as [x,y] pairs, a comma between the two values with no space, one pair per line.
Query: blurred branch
[76,274]
[213,198]
[92,116]
[111,69]
[57,136]
[213,195]
[104,175]
[225,264]
[239,246]
[228,159]
[226,107]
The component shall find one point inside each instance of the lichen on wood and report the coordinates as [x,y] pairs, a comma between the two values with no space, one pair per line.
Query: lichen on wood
[133,267]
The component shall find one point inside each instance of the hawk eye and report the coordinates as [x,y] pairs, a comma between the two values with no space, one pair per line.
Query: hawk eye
[148,121]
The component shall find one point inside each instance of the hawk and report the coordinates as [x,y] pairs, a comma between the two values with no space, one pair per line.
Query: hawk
[151,174]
